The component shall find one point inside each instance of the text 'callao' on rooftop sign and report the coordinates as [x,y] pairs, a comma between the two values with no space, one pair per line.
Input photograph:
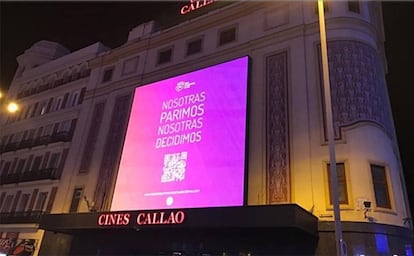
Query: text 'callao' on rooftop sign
[195,5]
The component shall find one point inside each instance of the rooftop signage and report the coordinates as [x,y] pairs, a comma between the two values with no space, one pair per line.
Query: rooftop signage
[195,5]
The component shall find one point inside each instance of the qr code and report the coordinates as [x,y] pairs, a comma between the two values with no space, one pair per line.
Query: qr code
[174,167]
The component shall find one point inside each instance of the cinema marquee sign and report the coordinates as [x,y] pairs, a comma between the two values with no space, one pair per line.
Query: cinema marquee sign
[195,5]
[119,219]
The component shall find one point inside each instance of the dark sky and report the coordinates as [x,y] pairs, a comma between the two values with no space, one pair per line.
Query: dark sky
[78,24]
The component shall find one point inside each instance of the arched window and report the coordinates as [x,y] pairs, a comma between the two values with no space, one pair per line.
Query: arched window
[75,73]
[39,84]
[84,70]
[66,76]
[51,81]
[74,98]
[32,88]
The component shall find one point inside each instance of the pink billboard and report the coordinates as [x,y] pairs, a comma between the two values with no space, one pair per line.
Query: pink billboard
[185,141]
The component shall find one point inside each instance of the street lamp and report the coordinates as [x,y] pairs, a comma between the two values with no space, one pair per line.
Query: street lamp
[12,107]
[340,244]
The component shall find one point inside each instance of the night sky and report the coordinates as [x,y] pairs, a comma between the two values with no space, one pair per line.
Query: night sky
[78,24]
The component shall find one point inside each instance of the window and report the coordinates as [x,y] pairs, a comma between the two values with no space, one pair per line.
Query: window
[58,104]
[41,201]
[36,163]
[27,112]
[107,76]
[23,203]
[20,166]
[11,137]
[7,204]
[379,180]
[54,160]
[35,110]
[31,134]
[227,36]
[341,178]
[353,6]
[84,70]
[42,109]
[51,82]
[39,132]
[164,56]
[74,99]
[66,77]
[77,195]
[6,168]
[65,126]
[48,130]
[194,46]
[18,137]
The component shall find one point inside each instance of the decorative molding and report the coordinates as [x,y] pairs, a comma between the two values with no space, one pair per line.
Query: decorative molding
[277,129]
[92,137]
[112,151]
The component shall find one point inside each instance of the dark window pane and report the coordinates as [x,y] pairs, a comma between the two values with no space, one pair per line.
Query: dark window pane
[194,47]
[77,195]
[107,75]
[379,179]
[164,56]
[353,6]
[341,178]
[227,36]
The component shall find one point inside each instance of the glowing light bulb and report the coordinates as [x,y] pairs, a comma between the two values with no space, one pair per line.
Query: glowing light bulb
[12,107]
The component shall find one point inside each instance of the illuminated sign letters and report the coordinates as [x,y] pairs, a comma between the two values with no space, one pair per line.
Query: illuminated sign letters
[114,219]
[153,218]
[142,218]
[194,5]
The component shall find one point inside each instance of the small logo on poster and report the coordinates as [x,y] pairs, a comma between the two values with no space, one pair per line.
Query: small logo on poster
[169,201]
[174,167]
[183,85]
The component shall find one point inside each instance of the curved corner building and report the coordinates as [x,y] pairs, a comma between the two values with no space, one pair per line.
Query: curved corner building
[207,137]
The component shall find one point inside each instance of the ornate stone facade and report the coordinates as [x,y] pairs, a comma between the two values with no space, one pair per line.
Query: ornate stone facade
[277,132]
[112,151]
[357,86]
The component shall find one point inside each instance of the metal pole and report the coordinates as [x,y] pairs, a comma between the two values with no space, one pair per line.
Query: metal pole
[340,247]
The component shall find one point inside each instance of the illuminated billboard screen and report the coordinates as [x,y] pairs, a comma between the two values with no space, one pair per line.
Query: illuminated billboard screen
[185,141]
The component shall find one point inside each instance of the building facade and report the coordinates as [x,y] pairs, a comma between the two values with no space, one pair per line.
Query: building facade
[61,154]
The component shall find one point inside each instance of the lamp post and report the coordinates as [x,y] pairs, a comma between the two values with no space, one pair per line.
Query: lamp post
[340,245]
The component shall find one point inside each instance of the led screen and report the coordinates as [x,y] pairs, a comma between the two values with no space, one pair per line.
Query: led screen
[185,141]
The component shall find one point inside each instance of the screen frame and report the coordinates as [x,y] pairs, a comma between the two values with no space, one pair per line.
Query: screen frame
[246,131]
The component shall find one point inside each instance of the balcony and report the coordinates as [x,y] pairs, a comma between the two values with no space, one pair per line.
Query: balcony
[57,83]
[61,136]
[44,140]
[33,175]
[21,217]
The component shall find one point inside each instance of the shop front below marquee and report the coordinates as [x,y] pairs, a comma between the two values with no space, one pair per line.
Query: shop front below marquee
[248,230]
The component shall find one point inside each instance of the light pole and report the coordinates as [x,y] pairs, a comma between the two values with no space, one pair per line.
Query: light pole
[340,245]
